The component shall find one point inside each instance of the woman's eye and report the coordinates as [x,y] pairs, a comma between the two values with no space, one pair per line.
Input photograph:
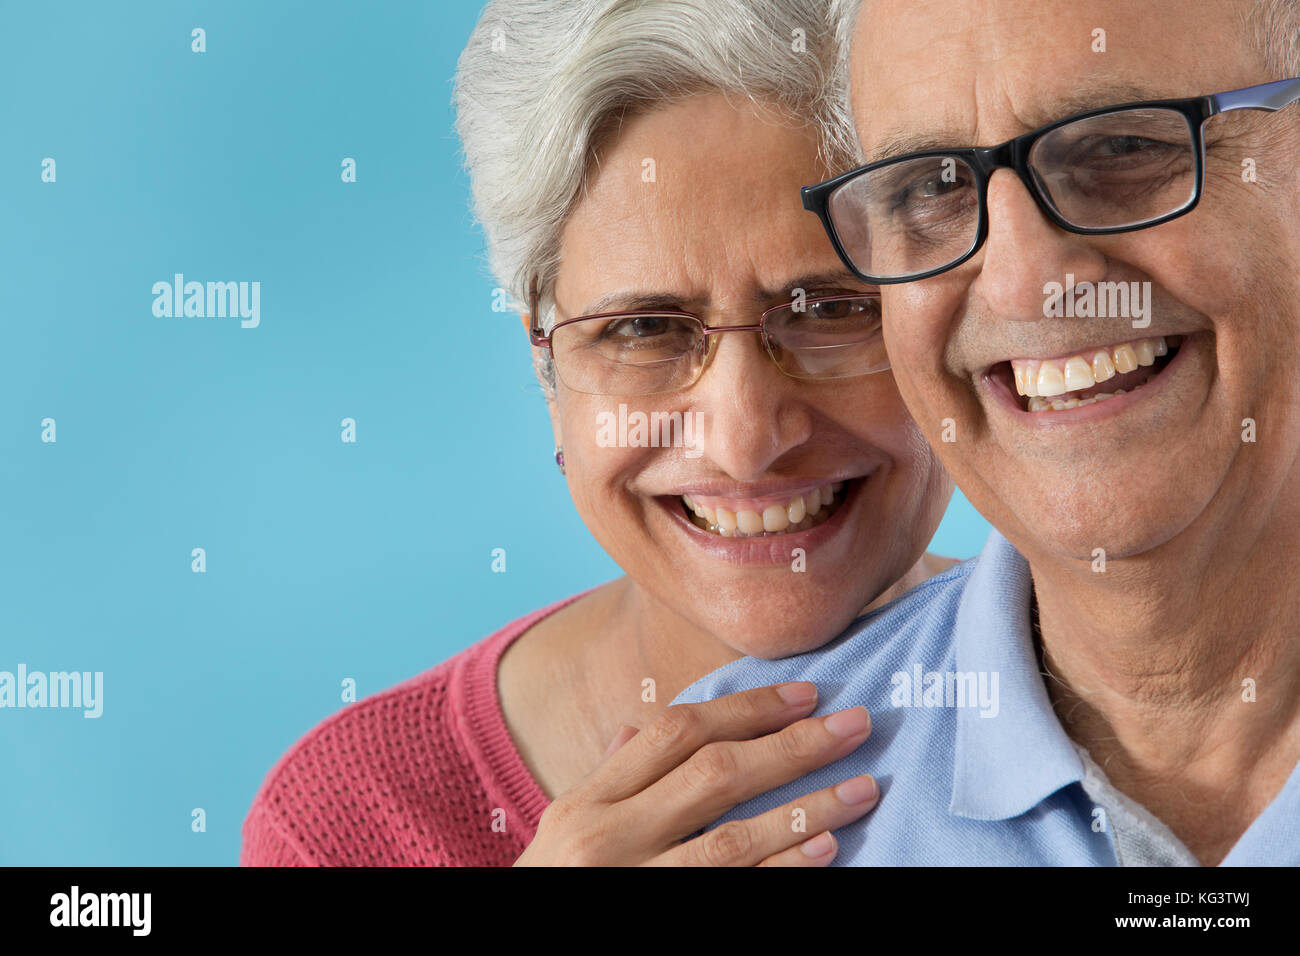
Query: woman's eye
[641,326]
[833,307]
[833,310]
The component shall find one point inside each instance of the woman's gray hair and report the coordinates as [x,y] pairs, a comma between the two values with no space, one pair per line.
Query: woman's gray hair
[542,83]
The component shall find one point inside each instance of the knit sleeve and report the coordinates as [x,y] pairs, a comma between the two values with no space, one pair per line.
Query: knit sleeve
[424,773]
[264,844]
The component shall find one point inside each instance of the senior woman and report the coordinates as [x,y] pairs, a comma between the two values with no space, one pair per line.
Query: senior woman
[635,166]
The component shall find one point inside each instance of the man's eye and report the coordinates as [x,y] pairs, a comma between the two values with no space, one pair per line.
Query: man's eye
[934,187]
[1120,146]
[926,190]
[1123,145]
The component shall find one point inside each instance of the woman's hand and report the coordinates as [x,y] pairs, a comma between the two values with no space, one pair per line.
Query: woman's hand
[695,762]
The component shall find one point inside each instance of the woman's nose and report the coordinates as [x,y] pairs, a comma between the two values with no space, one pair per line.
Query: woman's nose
[753,413]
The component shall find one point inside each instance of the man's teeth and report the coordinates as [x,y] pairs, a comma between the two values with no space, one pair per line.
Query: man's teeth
[802,512]
[1047,377]
[1039,404]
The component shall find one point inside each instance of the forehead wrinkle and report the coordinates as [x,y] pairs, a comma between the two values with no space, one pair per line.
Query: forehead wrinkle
[986,45]
[1031,115]
[947,33]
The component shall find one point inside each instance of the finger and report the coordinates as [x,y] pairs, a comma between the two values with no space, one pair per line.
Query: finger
[625,733]
[722,774]
[750,842]
[683,729]
[819,851]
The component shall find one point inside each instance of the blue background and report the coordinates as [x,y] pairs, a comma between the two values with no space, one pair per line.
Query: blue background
[325,560]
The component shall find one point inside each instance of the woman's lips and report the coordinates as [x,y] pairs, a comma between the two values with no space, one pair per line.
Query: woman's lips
[768,548]
[788,514]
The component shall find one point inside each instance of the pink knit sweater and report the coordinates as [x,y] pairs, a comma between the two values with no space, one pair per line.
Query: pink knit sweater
[422,774]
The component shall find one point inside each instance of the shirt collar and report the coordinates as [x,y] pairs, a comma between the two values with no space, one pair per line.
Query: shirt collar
[1008,763]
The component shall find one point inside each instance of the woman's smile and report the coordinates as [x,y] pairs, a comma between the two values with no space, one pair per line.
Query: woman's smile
[761,526]
[782,513]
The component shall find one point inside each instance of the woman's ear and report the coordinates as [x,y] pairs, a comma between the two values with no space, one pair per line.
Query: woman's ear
[547,390]
[555,422]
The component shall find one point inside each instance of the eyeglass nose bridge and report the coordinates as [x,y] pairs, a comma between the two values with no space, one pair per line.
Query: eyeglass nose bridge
[717,329]
[1012,155]
[711,342]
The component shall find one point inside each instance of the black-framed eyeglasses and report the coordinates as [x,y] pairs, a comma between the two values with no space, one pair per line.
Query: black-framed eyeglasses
[1105,171]
[645,353]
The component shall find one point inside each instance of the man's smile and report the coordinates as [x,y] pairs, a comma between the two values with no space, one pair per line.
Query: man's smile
[1072,387]
[1090,375]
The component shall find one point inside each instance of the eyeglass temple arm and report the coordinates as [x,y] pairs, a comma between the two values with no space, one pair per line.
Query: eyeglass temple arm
[1266,96]
[535,334]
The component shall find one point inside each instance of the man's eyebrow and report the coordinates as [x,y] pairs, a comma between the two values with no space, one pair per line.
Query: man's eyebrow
[901,141]
[635,301]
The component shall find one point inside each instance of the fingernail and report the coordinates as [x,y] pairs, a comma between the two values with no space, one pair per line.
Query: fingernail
[818,846]
[857,790]
[797,692]
[848,723]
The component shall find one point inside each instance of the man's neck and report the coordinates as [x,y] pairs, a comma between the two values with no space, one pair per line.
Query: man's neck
[1182,679]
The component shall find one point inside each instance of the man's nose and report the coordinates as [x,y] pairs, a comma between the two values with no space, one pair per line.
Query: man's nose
[1025,251]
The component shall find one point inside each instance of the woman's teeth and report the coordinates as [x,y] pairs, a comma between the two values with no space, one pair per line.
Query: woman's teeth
[802,512]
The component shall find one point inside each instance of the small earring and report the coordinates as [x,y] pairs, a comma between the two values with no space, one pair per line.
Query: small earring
[559,459]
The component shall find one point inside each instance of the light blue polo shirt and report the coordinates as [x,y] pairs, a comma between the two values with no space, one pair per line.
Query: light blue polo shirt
[973,765]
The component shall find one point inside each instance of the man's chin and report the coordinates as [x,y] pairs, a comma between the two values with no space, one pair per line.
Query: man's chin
[1100,532]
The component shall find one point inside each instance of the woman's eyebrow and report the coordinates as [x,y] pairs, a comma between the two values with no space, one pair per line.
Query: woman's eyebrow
[629,301]
[632,301]
[836,278]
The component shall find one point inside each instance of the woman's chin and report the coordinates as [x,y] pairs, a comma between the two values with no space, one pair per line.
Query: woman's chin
[771,634]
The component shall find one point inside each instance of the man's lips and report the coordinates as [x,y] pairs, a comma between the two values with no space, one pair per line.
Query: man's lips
[979,355]
[1085,376]
[1086,404]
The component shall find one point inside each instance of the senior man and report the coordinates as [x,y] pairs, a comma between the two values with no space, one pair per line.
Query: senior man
[1116,678]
